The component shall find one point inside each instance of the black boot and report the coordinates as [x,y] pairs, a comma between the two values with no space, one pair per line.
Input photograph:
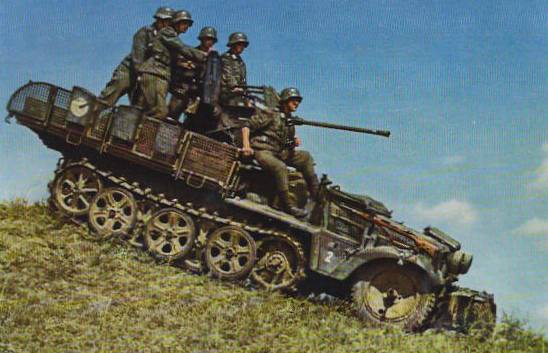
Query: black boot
[289,206]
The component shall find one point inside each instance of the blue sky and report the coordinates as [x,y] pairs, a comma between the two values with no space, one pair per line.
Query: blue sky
[462,85]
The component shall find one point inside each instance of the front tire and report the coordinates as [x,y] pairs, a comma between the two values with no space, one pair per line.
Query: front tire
[387,294]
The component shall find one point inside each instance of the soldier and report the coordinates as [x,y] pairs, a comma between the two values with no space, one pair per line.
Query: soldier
[156,70]
[187,75]
[124,76]
[268,136]
[234,70]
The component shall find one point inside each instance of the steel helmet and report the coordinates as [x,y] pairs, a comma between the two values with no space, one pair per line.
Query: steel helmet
[164,13]
[237,37]
[183,15]
[208,32]
[289,93]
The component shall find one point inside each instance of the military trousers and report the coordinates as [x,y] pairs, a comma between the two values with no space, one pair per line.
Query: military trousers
[276,164]
[154,92]
[120,84]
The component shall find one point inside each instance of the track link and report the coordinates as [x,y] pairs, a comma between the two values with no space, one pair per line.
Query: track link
[202,214]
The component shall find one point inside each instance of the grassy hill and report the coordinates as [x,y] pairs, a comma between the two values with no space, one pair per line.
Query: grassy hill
[61,291]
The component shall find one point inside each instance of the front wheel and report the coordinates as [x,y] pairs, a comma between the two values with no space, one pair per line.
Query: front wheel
[387,294]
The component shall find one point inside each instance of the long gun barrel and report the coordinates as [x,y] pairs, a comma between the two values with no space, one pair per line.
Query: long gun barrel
[300,121]
[249,92]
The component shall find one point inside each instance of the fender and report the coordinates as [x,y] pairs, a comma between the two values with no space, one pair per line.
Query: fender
[347,268]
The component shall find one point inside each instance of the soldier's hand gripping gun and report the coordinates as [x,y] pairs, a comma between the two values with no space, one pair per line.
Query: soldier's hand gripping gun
[296,121]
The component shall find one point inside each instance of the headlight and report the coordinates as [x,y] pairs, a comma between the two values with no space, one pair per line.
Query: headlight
[459,262]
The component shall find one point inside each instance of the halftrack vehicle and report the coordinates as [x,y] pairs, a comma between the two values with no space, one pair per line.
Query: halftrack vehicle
[192,200]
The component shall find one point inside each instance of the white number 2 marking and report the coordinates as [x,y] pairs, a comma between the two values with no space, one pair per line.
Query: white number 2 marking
[329,257]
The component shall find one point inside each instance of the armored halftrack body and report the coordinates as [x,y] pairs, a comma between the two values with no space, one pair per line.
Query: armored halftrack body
[190,199]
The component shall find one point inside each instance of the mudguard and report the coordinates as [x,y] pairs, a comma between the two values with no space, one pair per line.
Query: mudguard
[335,257]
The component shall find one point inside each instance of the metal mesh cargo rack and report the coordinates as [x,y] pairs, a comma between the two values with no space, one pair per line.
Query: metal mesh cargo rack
[207,163]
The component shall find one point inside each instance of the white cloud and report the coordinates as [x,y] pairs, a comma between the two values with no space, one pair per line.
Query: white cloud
[456,212]
[541,180]
[541,174]
[535,226]
[544,312]
[453,160]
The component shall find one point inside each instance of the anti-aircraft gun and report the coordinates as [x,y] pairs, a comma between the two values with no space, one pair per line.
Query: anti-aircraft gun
[192,201]
[269,99]
[266,98]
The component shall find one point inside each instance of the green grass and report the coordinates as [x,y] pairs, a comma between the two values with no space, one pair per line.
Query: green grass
[61,291]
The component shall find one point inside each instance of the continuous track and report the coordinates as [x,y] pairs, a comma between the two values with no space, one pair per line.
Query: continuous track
[207,219]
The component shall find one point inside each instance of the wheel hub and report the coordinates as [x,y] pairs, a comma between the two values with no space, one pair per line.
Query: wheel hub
[391,297]
[230,253]
[77,188]
[276,262]
[169,235]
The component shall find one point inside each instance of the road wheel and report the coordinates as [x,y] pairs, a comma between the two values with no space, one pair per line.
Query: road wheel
[73,190]
[280,263]
[170,234]
[113,212]
[387,294]
[230,253]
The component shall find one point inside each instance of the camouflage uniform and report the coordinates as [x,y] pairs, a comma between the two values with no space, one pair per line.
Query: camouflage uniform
[156,70]
[269,137]
[233,74]
[233,71]
[124,76]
